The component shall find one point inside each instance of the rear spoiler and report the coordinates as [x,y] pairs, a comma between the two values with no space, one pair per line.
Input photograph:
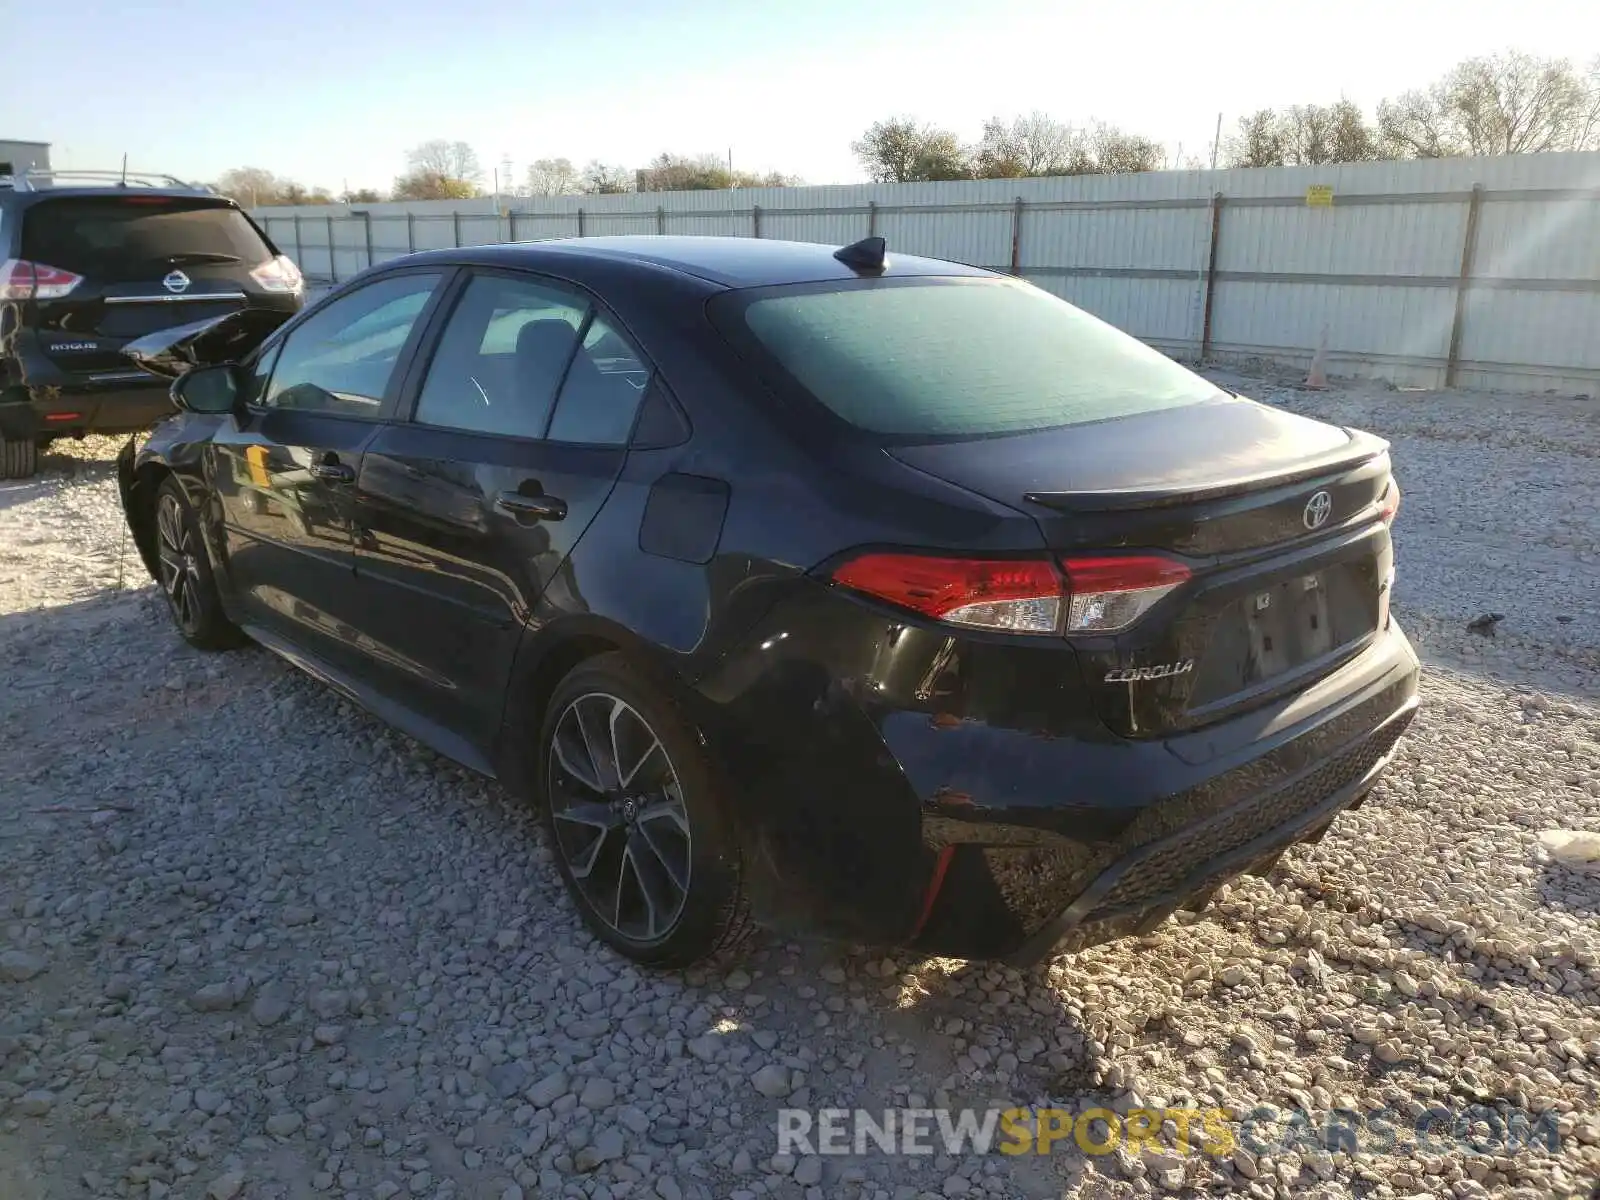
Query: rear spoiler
[1364,449]
[169,353]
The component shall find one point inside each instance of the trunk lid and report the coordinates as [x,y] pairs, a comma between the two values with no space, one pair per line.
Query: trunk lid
[148,263]
[1276,517]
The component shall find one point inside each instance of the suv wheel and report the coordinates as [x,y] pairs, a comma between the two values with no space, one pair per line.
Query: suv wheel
[637,820]
[19,458]
[184,571]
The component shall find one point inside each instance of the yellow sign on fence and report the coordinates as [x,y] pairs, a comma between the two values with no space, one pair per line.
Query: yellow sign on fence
[1319,195]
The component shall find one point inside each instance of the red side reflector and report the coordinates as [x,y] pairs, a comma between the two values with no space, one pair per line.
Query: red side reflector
[1389,506]
[62,416]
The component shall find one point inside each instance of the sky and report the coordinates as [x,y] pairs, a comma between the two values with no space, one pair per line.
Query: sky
[332,93]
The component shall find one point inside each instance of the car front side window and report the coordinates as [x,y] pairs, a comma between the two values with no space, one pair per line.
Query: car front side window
[342,358]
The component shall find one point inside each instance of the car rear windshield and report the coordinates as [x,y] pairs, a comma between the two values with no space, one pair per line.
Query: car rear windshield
[952,357]
[124,239]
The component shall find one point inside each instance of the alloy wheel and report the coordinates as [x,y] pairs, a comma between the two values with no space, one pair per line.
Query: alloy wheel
[179,568]
[620,822]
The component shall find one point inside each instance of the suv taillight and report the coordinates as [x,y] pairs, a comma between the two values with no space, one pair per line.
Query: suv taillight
[1097,595]
[24,280]
[279,275]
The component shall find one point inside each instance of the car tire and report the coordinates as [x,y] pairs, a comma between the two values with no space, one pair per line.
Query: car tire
[19,458]
[648,852]
[184,572]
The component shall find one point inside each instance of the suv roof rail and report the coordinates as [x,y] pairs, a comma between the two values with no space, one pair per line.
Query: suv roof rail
[31,180]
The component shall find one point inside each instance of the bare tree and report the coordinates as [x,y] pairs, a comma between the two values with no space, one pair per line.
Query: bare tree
[250,186]
[1327,133]
[1111,151]
[901,149]
[1302,135]
[362,196]
[1350,138]
[1503,104]
[1033,145]
[604,179]
[553,177]
[1261,141]
[451,160]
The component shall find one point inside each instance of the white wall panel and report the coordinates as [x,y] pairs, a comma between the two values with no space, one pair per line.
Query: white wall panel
[1376,274]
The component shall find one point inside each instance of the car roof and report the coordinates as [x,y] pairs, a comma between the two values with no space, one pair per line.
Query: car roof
[734,262]
[23,196]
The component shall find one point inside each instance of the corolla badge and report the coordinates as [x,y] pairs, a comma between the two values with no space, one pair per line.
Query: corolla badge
[176,282]
[1158,671]
[1317,510]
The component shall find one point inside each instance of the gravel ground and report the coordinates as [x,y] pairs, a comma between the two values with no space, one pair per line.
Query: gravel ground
[254,944]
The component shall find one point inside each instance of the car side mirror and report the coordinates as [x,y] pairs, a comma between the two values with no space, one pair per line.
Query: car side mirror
[213,390]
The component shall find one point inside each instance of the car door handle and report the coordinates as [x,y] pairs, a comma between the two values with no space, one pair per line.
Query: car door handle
[333,472]
[518,504]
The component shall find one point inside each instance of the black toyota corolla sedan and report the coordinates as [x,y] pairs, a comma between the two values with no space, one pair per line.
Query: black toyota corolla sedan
[875,595]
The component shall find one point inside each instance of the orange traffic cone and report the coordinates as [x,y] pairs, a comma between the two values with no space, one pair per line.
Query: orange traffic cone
[1317,376]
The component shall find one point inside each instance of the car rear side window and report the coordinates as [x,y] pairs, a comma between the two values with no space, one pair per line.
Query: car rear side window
[341,358]
[949,357]
[602,391]
[502,356]
[123,239]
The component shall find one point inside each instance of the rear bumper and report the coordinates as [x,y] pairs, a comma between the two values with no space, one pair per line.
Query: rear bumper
[116,404]
[962,797]
[1150,882]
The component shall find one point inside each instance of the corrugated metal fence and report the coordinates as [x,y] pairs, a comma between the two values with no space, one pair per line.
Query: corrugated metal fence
[1484,272]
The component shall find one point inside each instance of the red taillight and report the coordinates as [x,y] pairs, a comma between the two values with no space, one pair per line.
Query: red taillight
[24,280]
[1013,595]
[1099,595]
[1109,594]
[279,275]
[1389,505]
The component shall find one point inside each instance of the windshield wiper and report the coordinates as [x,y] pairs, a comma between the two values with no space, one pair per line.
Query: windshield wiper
[197,256]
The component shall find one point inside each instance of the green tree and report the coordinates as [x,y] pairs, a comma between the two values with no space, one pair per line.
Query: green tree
[429,185]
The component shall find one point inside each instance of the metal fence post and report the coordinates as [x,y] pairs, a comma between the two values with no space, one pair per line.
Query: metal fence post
[580,222]
[872,218]
[367,218]
[299,250]
[661,219]
[333,257]
[411,233]
[511,225]
[1469,252]
[755,220]
[455,221]
[1016,237]
[1211,276]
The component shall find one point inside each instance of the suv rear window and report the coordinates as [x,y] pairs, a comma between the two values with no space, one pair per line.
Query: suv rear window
[953,357]
[118,239]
